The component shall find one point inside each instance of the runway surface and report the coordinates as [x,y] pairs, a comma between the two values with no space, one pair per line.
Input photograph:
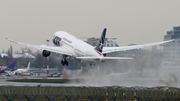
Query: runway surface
[128,82]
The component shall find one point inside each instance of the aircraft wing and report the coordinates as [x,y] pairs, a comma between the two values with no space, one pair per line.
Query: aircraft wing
[60,50]
[124,48]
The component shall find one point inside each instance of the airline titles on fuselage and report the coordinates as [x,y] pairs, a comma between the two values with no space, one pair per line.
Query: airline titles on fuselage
[67,40]
[56,40]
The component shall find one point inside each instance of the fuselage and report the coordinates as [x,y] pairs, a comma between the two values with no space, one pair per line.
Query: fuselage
[21,70]
[74,45]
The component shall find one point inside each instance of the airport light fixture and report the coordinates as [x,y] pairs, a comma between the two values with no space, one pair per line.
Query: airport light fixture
[47,42]
[47,59]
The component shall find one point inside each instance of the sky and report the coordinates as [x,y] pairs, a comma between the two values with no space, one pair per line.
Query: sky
[130,21]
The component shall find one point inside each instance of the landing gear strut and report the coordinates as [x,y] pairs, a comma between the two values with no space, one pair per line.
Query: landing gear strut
[64,61]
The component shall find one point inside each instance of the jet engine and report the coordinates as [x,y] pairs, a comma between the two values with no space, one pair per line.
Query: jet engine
[102,60]
[46,53]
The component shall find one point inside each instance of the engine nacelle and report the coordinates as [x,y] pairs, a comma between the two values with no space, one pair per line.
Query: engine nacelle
[46,53]
[102,60]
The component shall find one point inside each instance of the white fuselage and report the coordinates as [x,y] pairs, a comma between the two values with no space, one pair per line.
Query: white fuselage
[77,47]
[21,71]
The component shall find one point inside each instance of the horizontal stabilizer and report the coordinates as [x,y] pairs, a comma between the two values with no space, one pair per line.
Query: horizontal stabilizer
[118,58]
[104,58]
[87,58]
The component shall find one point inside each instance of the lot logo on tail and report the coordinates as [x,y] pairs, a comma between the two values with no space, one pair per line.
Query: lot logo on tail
[99,45]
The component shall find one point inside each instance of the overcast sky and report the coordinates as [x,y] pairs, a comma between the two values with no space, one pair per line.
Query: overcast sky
[130,21]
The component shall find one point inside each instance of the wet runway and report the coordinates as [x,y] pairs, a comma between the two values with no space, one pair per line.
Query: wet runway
[128,82]
[3,82]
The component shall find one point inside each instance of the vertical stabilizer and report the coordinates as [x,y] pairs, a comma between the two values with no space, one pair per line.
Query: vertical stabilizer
[99,45]
[12,65]
[28,67]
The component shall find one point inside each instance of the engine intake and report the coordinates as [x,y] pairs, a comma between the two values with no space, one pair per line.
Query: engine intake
[102,60]
[46,53]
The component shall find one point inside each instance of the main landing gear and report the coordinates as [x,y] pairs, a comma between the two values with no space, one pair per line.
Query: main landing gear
[64,61]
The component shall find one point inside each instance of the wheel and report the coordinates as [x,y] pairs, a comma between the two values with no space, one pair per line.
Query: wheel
[62,62]
[66,63]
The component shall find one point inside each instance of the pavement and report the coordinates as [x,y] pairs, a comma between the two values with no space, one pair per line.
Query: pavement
[94,81]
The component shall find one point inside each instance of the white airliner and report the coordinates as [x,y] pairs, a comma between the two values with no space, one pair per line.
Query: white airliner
[23,70]
[69,45]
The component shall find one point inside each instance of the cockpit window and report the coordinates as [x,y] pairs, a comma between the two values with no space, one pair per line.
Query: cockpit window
[56,40]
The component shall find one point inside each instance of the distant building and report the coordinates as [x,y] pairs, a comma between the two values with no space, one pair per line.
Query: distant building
[108,42]
[171,50]
[25,55]
[20,55]
[4,54]
[92,41]
[111,43]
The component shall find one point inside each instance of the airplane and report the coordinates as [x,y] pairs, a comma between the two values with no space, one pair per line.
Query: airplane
[10,67]
[23,70]
[69,45]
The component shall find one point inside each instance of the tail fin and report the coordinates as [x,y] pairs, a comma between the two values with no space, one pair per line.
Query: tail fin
[11,65]
[28,67]
[99,45]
